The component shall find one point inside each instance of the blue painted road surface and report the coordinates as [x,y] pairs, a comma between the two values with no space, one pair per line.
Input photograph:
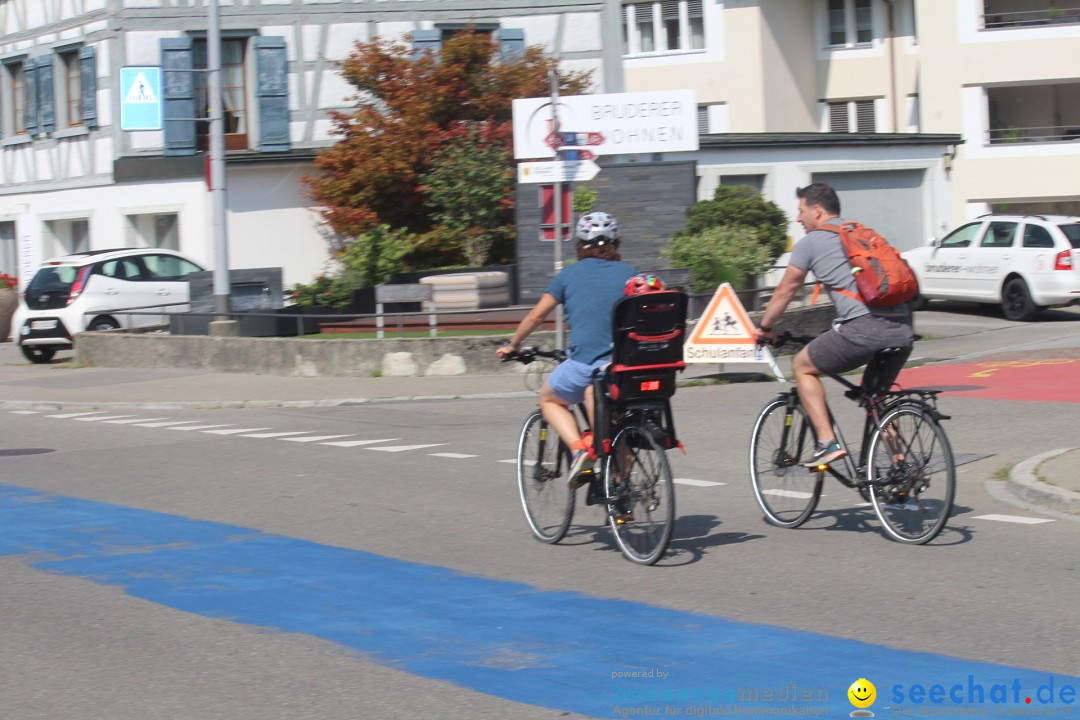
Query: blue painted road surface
[563,650]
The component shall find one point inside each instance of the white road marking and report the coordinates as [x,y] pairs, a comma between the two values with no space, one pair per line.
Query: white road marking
[97,418]
[234,431]
[275,434]
[129,422]
[1013,519]
[453,456]
[403,448]
[788,493]
[78,414]
[698,483]
[314,438]
[166,424]
[358,443]
[24,412]
[199,427]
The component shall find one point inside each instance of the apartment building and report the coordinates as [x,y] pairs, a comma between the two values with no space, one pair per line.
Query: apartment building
[931,109]
[71,179]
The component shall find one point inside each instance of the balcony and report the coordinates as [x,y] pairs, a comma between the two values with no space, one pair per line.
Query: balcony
[1007,14]
[1047,113]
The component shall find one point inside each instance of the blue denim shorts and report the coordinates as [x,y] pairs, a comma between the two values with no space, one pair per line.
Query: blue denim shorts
[570,378]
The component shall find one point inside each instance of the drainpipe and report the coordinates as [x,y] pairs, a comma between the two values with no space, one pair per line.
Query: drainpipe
[894,103]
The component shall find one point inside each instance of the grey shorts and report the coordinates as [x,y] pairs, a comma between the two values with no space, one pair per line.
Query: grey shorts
[852,344]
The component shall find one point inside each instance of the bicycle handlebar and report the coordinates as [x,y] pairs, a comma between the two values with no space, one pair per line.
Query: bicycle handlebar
[528,354]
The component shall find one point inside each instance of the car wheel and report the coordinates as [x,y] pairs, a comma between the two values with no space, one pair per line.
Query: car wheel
[1016,302]
[103,323]
[38,353]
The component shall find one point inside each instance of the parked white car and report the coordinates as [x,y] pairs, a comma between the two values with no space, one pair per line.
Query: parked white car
[1025,263]
[90,291]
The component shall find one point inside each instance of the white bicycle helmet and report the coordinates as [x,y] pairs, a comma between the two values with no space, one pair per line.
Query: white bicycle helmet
[597,228]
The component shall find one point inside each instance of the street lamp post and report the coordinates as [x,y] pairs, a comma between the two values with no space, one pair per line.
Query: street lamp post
[217,165]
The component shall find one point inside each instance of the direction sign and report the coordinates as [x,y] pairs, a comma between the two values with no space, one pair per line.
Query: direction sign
[555,171]
[140,98]
[573,139]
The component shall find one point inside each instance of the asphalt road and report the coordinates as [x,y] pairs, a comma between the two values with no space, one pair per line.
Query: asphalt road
[239,564]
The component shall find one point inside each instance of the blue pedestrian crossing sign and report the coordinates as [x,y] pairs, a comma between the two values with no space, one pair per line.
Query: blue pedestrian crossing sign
[140,98]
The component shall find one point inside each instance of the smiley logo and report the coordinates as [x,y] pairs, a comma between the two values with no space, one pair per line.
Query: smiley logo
[862,693]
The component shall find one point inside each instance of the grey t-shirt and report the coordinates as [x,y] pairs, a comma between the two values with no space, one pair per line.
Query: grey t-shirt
[822,253]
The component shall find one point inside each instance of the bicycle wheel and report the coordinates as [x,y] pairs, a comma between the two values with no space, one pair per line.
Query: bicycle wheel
[913,475]
[782,441]
[541,461]
[637,475]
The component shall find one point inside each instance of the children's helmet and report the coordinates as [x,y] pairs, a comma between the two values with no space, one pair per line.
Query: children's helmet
[643,283]
[597,228]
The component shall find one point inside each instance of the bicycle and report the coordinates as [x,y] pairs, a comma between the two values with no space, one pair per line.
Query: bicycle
[904,468]
[632,478]
[634,429]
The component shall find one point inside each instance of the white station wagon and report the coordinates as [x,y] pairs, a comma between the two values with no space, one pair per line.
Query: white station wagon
[1025,263]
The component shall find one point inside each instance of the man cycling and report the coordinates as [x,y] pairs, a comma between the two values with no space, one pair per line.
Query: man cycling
[857,333]
[587,289]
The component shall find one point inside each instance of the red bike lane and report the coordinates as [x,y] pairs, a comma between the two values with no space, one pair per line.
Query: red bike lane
[1051,375]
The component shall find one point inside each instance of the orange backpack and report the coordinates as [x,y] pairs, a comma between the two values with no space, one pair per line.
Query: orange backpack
[882,277]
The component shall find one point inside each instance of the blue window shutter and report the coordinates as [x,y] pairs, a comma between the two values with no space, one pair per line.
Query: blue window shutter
[30,80]
[88,61]
[46,95]
[511,44]
[178,96]
[426,41]
[272,77]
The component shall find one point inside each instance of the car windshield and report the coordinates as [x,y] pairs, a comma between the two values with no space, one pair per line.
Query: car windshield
[1072,231]
[55,278]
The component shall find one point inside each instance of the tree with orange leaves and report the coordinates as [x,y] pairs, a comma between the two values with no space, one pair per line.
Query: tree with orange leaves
[414,115]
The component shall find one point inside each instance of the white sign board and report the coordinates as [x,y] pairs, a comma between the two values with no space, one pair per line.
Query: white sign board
[725,334]
[639,122]
[554,171]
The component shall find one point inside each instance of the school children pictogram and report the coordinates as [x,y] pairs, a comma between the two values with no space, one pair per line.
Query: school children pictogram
[725,334]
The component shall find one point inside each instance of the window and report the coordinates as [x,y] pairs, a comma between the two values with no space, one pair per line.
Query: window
[154,230]
[15,98]
[233,93]
[852,116]
[1000,234]
[168,267]
[1036,236]
[511,40]
[850,23]
[547,211]
[962,236]
[663,27]
[69,100]
[69,236]
[185,95]
[9,250]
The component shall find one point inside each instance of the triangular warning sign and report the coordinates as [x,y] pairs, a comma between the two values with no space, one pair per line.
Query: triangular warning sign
[140,91]
[724,321]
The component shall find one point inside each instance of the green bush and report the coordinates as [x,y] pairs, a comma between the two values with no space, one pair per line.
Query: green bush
[717,255]
[373,255]
[740,205]
[324,290]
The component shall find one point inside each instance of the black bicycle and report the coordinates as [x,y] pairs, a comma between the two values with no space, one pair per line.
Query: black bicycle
[632,479]
[904,466]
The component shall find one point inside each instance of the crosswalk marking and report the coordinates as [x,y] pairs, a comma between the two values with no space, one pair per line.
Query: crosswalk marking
[1013,519]
[198,427]
[24,412]
[358,443]
[134,420]
[698,483]
[403,448]
[453,456]
[77,414]
[314,438]
[275,434]
[98,418]
[234,431]
[165,424]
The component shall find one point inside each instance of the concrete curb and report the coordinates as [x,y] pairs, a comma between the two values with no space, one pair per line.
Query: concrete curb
[43,405]
[1024,483]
